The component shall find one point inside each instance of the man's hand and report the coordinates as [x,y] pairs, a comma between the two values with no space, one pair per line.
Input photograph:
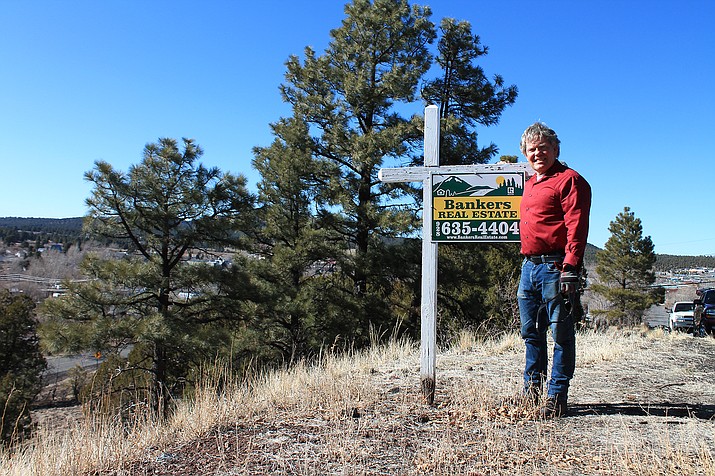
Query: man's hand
[569,279]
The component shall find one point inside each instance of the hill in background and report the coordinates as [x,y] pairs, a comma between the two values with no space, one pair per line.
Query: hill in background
[71,230]
[662,262]
[37,232]
[43,225]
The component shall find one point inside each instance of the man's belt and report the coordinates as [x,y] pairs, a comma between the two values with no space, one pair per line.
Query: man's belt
[546,258]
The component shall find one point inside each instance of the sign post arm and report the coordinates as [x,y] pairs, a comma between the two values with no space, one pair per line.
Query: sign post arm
[428,342]
[418,174]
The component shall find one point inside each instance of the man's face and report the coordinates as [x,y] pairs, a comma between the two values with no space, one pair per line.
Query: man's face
[541,155]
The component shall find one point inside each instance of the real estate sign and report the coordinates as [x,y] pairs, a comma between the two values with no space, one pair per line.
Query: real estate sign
[481,207]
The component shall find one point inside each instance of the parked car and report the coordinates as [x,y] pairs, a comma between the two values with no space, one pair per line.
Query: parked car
[705,309]
[682,317]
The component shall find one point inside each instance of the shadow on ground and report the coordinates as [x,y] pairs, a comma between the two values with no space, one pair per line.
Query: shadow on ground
[667,409]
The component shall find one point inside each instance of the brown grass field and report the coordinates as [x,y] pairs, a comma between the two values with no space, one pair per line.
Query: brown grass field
[642,403]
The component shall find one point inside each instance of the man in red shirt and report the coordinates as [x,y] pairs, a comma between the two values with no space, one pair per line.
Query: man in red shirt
[555,210]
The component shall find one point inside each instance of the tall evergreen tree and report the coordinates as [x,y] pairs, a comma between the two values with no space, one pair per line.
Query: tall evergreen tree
[465,95]
[348,98]
[625,271]
[168,312]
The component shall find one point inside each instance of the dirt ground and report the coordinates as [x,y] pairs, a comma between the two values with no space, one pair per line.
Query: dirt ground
[645,407]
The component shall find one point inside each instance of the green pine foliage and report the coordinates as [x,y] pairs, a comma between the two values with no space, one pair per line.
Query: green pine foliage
[348,99]
[465,96]
[22,365]
[169,314]
[625,271]
[294,268]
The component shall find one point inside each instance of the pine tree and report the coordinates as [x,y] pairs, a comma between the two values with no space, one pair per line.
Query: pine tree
[625,271]
[348,98]
[172,315]
[22,365]
[465,95]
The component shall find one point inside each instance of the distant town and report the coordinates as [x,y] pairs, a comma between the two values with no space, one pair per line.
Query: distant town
[680,275]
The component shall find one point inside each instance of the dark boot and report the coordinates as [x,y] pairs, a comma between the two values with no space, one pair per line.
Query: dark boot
[553,408]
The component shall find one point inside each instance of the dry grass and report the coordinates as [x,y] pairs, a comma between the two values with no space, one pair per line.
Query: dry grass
[641,405]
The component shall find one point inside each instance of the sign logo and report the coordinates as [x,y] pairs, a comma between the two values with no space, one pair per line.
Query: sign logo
[476,207]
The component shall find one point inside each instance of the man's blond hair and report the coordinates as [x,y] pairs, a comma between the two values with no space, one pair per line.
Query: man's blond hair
[538,131]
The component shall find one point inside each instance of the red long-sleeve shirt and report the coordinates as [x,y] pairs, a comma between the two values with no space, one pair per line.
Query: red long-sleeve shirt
[554,214]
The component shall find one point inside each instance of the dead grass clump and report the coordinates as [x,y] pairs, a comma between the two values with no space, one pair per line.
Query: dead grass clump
[84,446]
[612,345]
[468,341]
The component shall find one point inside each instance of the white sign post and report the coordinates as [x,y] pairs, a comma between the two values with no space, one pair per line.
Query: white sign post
[428,324]
[428,321]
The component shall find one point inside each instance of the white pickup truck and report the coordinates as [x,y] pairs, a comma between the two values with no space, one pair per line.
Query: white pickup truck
[682,316]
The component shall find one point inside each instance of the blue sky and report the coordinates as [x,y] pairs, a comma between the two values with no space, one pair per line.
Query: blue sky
[629,86]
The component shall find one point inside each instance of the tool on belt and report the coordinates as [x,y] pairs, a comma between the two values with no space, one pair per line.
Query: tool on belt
[572,284]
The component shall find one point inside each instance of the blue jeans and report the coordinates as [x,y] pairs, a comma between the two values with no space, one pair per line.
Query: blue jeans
[541,305]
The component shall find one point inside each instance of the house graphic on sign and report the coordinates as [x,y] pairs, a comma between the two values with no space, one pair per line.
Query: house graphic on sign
[478,185]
